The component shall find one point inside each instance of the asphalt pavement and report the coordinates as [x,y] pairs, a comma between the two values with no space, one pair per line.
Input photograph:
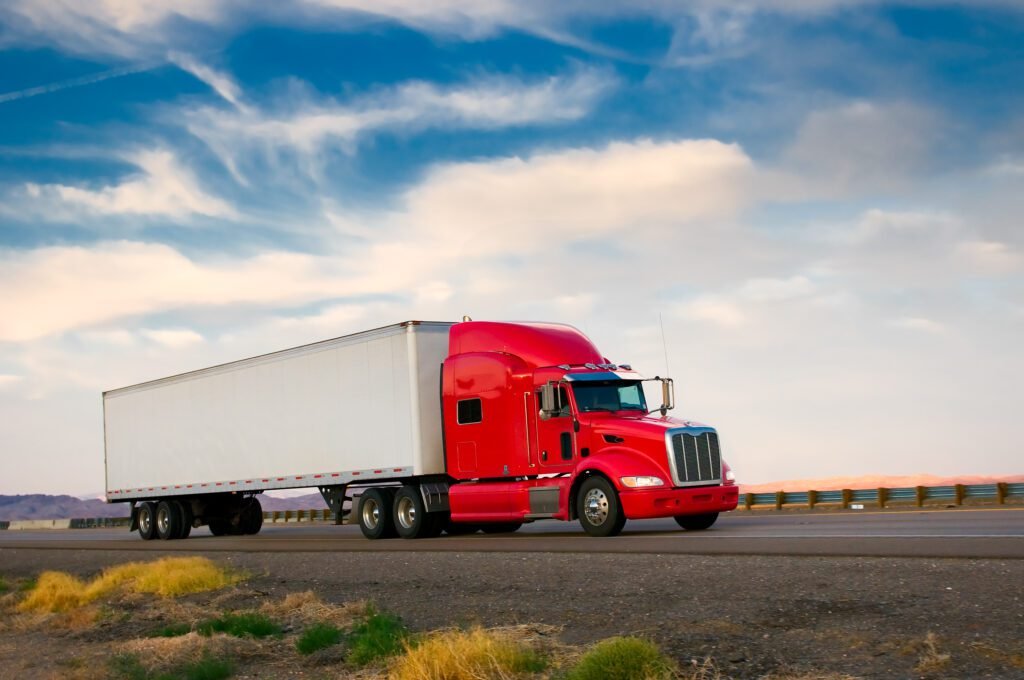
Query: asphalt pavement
[959,533]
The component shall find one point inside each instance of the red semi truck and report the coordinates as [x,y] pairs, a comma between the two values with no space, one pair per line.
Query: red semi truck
[453,427]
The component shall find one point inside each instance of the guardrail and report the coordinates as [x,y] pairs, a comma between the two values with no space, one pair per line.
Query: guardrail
[884,497]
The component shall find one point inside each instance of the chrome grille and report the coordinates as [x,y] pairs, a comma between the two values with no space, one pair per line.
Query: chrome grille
[695,459]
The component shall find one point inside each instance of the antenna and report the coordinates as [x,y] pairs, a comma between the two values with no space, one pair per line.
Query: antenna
[664,345]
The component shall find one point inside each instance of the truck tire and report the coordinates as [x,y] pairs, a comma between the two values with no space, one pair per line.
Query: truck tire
[186,519]
[410,515]
[460,528]
[501,527]
[599,509]
[376,513]
[219,527]
[251,520]
[696,522]
[147,520]
[168,520]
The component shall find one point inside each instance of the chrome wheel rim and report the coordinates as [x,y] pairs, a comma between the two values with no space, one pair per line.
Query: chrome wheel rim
[595,507]
[163,521]
[145,521]
[406,513]
[371,513]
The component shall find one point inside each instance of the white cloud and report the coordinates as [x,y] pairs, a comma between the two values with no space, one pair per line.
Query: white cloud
[715,309]
[117,337]
[862,146]
[773,290]
[8,381]
[552,198]
[309,125]
[992,257]
[172,337]
[54,289]
[163,189]
[221,83]
[918,323]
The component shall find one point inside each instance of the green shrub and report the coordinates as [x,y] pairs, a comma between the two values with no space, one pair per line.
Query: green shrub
[248,624]
[3,585]
[318,636]
[622,658]
[207,668]
[378,636]
[173,630]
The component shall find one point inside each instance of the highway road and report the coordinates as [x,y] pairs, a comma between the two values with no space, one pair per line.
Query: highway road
[966,533]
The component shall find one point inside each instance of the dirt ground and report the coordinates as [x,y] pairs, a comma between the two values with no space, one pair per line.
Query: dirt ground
[753,617]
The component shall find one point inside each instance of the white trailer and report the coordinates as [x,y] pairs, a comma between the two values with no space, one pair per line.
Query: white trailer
[196,448]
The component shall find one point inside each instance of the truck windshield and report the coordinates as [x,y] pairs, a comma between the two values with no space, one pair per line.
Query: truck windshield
[609,395]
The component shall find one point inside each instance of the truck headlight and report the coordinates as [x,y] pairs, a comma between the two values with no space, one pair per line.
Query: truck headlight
[730,476]
[635,482]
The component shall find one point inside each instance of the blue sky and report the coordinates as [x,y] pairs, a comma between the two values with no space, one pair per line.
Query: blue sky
[820,200]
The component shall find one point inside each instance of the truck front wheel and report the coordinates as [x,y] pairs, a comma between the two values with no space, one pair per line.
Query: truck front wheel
[376,519]
[599,509]
[147,520]
[696,522]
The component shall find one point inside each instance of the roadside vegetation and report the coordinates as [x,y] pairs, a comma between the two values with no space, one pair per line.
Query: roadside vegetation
[192,619]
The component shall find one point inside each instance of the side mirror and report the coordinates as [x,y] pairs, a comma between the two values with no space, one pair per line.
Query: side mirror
[548,408]
[668,396]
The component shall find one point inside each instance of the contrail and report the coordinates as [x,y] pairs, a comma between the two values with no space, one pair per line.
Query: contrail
[77,82]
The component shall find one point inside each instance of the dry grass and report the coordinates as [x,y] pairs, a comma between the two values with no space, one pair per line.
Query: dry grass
[467,655]
[815,675]
[307,608]
[930,658]
[993,653]
[159,654]
[168,577]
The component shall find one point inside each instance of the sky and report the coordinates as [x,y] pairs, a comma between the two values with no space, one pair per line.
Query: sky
[807,213]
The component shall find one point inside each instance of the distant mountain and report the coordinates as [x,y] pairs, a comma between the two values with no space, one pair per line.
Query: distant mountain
[42,506]
[874,482]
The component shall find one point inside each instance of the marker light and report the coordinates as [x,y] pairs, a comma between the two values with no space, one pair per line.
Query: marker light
[636,482]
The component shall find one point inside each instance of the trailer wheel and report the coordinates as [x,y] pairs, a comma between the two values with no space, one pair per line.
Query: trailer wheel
[251,519]
[219,527]
[147,520]
[501,527]
[184,509]
[168,520]
[376,513]
[599,509]
[410,515]
[696,522]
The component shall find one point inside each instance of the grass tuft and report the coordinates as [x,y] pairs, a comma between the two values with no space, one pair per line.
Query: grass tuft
[930,658]
[173,630]
[168,577]
[623,658]
[209,667]
[3,585]
[246,624]
[55,591]
[466,655]
[379,636]
[318,636]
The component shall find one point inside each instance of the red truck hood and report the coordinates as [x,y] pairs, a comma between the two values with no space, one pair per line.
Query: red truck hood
[643,426]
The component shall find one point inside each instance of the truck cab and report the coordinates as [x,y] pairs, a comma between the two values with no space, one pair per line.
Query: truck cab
[539,425]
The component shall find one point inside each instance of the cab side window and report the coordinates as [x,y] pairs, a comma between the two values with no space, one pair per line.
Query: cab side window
[470,411]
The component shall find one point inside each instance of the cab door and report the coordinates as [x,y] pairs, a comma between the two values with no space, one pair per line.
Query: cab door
[556,441]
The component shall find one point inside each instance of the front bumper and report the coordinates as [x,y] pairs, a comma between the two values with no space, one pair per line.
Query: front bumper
[649,503]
